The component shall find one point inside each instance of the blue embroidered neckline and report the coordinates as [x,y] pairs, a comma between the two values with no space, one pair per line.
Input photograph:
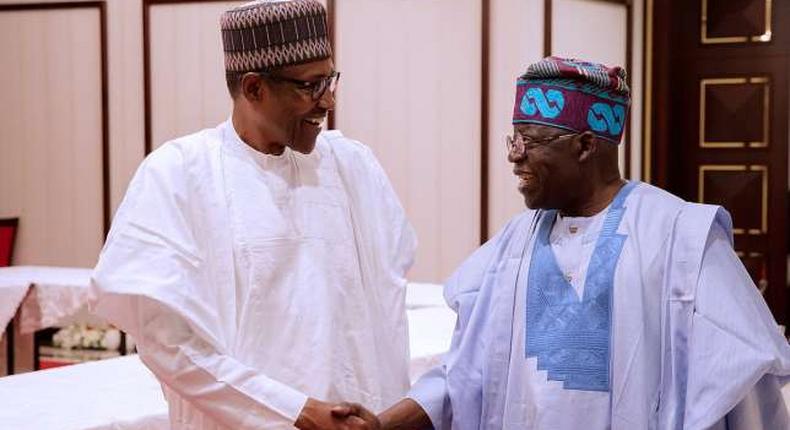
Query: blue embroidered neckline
[570,336]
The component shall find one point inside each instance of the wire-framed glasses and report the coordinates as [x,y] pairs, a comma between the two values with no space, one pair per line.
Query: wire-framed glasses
[520,143]
[316,89]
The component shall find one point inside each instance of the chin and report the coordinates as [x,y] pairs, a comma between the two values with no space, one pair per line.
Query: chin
[304,147]
[537,202]
[532,201]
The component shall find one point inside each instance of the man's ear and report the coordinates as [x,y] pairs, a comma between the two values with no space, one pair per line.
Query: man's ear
[252,87]
[587,146]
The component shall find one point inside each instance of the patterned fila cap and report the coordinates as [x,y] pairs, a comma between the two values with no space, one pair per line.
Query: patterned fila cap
[574,95]
[269,34]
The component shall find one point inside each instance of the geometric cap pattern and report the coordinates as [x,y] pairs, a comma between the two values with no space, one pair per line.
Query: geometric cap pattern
[269,34]
[607,78]
[574,95]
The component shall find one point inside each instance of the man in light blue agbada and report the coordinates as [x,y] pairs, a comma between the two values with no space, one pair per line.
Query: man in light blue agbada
[606,304]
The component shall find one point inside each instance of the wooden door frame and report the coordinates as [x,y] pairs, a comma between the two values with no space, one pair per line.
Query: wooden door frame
[659,134]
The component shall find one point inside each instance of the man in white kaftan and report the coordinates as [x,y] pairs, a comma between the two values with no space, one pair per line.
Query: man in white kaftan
[608,304]
[260,265]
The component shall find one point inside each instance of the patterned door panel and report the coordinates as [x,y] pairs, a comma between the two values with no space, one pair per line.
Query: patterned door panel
[727,110]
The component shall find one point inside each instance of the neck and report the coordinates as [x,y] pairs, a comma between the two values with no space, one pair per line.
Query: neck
[252,134]
[595,197]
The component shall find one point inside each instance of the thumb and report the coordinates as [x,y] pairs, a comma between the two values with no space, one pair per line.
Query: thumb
[342,410]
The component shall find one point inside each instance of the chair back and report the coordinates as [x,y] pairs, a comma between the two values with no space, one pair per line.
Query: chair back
[8,228]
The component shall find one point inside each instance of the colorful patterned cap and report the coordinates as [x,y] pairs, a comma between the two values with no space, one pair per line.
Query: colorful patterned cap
[574,95]
[268,34]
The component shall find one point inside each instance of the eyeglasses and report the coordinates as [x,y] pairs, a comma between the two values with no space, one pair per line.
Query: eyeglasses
[521,143]
[316,88]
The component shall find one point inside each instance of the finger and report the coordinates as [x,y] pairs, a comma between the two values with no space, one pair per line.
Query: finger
[357,423]
[342,410]
[362,412]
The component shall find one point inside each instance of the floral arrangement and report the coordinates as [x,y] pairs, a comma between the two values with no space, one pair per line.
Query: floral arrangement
[82,336]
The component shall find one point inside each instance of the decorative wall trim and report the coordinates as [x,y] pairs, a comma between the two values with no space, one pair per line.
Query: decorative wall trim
[147,4]
[647,84]
[548,17]
[485,98]
[705,83]
[331,14]
[704,169]
[629,63]
[765,37]
[105,110]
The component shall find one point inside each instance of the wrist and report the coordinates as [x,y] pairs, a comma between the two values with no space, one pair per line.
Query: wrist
[390,419]
[384,422]
[405,415]
[306,415]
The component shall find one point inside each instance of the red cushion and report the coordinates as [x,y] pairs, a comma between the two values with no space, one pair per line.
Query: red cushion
[6,245]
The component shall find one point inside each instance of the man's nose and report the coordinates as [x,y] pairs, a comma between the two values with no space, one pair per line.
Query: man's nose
[327,100]
[516,156]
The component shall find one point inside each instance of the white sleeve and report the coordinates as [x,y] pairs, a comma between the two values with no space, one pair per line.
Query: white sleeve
[151,281]
[220,386]
[736,352]
[402,238]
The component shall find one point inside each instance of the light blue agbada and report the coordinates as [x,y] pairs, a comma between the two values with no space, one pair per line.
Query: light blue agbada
[688,341]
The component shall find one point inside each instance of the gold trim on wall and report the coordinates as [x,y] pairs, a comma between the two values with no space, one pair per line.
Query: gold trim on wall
[750,255]
[765,37]
[647,107]
[704,83]
[742,254]
[703,168]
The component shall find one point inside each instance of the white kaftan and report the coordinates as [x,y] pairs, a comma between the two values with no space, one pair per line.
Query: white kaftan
[252,281]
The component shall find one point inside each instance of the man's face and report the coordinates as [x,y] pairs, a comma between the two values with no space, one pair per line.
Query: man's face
[549,169]
[294,118]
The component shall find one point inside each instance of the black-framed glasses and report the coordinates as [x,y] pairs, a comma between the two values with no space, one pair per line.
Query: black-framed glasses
[520,143]
[316,88]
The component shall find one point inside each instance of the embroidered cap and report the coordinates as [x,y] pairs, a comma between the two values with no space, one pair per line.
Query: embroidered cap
[574,95]
[268,34]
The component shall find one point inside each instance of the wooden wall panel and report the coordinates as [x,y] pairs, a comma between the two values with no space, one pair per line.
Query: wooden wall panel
[592,30]
[588,29]
[187,75]
[411,90]
[125,92]
[186,89]
[52,140]
[597,30]
[516,41]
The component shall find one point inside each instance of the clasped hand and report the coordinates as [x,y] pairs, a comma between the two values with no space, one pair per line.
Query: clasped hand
[318,415]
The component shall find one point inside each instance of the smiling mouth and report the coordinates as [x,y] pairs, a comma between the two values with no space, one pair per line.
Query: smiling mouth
[525,179]
[316,122]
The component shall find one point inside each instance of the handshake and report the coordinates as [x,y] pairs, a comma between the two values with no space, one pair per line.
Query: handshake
[406,414]
[318,415]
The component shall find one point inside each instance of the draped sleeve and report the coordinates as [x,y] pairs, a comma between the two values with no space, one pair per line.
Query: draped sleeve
[165,277]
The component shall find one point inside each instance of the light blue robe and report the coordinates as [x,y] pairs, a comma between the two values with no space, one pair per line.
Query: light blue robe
[685,354]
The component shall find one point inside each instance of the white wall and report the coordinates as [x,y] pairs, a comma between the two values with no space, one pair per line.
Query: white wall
[411,89]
